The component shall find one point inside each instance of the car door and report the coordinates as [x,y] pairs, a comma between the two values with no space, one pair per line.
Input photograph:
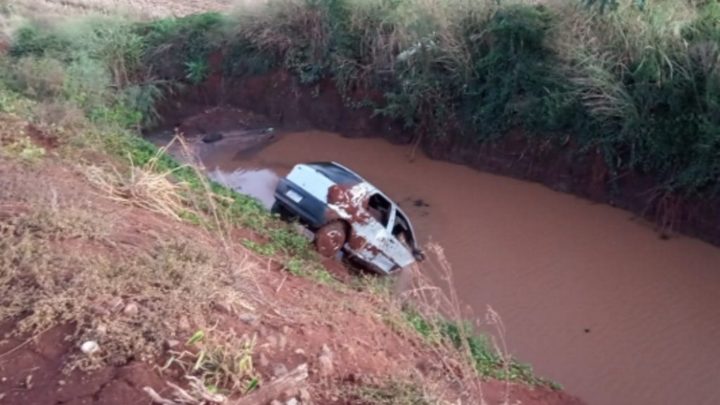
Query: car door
[382,249]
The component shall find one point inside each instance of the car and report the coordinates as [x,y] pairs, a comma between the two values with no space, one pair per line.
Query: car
[348,214]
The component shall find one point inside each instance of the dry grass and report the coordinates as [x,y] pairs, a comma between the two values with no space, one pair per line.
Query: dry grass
[142,187]
[64,261]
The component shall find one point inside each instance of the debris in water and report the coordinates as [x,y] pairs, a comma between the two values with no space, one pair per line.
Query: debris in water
[213,137]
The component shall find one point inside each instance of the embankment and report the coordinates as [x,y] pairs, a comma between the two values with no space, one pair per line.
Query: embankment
[563,166]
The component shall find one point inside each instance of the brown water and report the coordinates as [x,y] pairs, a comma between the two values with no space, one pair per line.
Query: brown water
[589,296]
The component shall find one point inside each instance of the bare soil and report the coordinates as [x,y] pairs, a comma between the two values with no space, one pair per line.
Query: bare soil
[141,8]
[294,320]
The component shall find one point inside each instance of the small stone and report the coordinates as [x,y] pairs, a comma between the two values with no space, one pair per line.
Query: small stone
[61,382]
[224,307]
[292,401]
[276,402]
[282,342]
[300,352]
[326,350]
[279,370]
[115,304]
[304,395]
[131,309]
[171,344]
[250,319]
[184,323]
[89,347]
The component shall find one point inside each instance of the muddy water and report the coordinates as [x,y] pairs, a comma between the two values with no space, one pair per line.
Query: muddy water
[590,296]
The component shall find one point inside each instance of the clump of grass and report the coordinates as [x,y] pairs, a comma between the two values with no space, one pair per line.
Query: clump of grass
[394,392]
[221,362]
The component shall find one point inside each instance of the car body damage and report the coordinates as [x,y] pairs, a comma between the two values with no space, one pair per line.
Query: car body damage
[346,212]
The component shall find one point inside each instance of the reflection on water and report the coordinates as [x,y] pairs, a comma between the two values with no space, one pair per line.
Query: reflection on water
[258,183]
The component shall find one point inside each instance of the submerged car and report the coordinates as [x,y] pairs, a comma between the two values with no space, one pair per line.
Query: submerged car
[347,213]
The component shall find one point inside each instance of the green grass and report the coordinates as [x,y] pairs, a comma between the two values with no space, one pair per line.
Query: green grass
[394,392]
[638,82]
[481,352]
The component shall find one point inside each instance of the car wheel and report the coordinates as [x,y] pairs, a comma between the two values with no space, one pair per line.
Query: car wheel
[330,238]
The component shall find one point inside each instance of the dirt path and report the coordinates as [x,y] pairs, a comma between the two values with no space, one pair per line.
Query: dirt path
[144,8]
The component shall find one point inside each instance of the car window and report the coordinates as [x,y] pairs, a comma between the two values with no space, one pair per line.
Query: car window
[401,229]
[379,207]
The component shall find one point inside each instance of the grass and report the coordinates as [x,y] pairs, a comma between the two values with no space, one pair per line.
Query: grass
[44,284]
[220,363]
[394,392]
[638,84]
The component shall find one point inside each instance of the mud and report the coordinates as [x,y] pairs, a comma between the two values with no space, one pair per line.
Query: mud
[589,294]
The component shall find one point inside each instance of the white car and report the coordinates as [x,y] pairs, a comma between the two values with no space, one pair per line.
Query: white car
[347,213]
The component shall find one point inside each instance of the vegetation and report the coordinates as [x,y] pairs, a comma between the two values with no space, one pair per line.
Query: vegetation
[639,82]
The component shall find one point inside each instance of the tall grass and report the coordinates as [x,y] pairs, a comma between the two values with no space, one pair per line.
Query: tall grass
[639,81]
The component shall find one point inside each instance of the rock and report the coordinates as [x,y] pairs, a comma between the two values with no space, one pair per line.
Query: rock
[184,323]
[276,402]
[292,401]
[279,370]
[224,307]
[115,304]
[250,319]
[61,382]
[300,352]
[213,137]
[171,344]
[131,309]
[282,342]
[90,347]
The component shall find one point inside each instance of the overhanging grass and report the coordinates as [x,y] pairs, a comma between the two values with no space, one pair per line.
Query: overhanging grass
[486,359]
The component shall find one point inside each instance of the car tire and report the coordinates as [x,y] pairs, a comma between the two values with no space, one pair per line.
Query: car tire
[330,238]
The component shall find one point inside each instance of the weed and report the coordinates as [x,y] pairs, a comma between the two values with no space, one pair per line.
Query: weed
[222,362]
[394,392]
[24,149]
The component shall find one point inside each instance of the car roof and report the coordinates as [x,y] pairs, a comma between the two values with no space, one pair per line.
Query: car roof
[337,172]
[342,175]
